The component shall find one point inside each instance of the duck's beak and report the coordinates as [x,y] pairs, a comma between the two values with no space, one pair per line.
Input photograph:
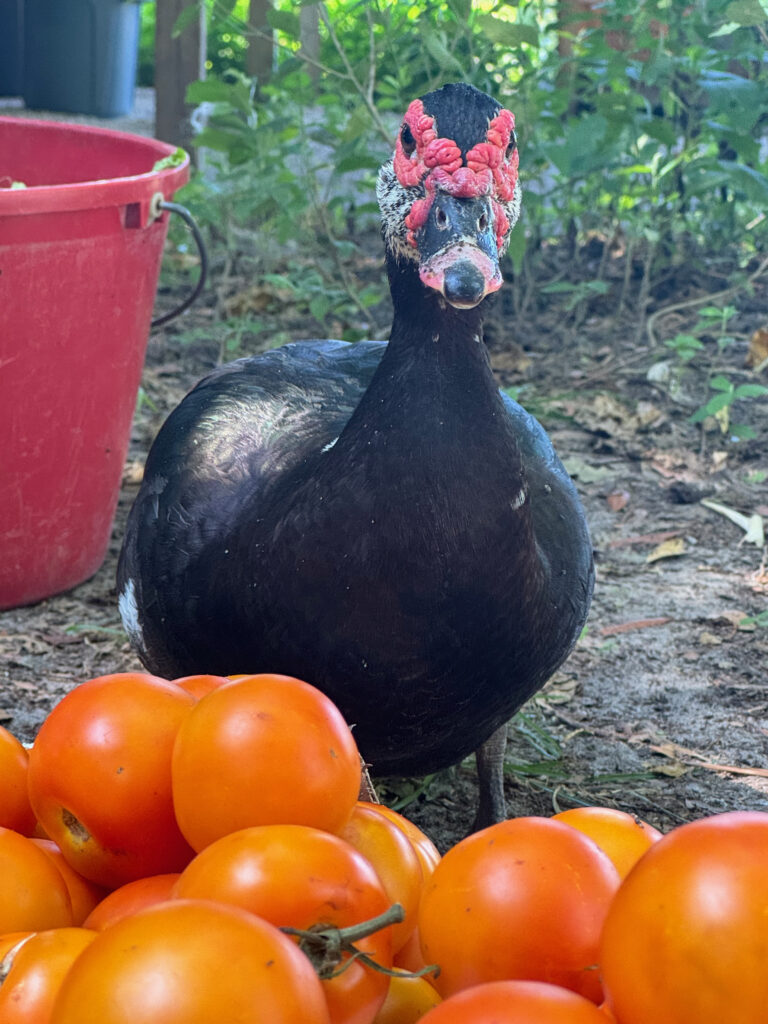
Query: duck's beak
[458,254]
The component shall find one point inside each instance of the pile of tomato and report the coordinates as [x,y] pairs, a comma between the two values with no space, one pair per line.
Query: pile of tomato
[195,851]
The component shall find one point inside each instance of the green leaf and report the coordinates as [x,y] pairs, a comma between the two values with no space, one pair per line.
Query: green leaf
[507,33]
[742,431]
[721,383]
[284,21]
[750,391]
[558,286]
[440,53]
[715,404]
[752,183]
[187,16]
[746,12]
[739,100]
[725,30]
[319,306]
[209,90]
[517,246]
[357,162]
[174,159]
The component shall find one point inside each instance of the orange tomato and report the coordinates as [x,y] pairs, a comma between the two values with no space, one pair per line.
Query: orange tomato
[83,894]
[623,837]
[100,777]
[522,899]
[408,999]
[198,686]
[263,750]
[129,898]
[15,809]
[515,1002]
[300,877]
[393,856]
[34,895]
[32,974]
[11,939]
[411,958]
[686,937]
[190,962]
[426,851]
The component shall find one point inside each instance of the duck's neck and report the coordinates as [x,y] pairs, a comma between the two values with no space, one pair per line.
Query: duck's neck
[436,357]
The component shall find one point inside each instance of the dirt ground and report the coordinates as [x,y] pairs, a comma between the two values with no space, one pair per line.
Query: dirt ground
[662,709]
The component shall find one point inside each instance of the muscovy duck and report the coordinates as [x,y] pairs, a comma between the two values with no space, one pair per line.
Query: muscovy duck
[377,518]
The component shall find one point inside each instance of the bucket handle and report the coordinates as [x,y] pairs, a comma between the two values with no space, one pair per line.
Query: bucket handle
[157,205]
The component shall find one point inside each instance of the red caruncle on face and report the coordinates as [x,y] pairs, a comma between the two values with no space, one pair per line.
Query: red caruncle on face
[437,163]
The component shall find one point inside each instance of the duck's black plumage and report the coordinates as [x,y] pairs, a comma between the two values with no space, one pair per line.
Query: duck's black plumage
[376,519]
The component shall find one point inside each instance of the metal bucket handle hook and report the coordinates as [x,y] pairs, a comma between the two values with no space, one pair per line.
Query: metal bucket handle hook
[157,206]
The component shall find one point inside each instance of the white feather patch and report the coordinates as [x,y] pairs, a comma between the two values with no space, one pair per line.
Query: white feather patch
[129,613]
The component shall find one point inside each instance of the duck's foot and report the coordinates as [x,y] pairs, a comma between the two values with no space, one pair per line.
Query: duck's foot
[492,805]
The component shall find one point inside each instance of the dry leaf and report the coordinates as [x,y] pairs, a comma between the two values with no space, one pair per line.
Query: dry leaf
[736,619]
[667,549]
[709,639]
[133,473]
[719,460]
[754,533]
[256,299]
[605,414]
[617,500]
[584,471]
[513,359]
[644,538]
[674,771]
[627,627]
[676,464]
[758,347]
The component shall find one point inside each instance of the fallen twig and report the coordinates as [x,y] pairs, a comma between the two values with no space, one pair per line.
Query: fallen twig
[626,627]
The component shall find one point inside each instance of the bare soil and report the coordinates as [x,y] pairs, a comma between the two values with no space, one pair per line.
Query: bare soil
[662,709]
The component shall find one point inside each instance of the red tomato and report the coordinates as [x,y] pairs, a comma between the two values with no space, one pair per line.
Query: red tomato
[34,895]
[32,974]
[263,750]
[198,686]
[515,1002]
[523,899]
[129,898]
[394,858]
[83,894]
[15,810]
[190,962]
[623,837]
[408,999]
[686,938]
[426,851]
[100,777]
[300,877]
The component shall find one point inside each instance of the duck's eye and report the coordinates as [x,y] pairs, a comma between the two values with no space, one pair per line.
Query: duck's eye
[407,140]
[511,147]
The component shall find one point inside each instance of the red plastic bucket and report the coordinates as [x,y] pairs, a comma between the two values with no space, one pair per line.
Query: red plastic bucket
[79,263]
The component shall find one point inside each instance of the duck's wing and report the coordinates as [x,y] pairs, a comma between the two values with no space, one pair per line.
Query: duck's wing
[557,515]
[261,415]
[238,431]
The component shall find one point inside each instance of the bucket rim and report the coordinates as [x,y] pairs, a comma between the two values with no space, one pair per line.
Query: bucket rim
[95,192]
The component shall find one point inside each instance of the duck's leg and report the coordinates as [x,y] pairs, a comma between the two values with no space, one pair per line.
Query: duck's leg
[492,807]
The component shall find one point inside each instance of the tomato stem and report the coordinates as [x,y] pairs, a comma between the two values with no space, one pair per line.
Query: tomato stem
[331,950]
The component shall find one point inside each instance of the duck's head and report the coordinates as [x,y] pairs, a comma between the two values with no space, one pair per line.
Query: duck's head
[449,196]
